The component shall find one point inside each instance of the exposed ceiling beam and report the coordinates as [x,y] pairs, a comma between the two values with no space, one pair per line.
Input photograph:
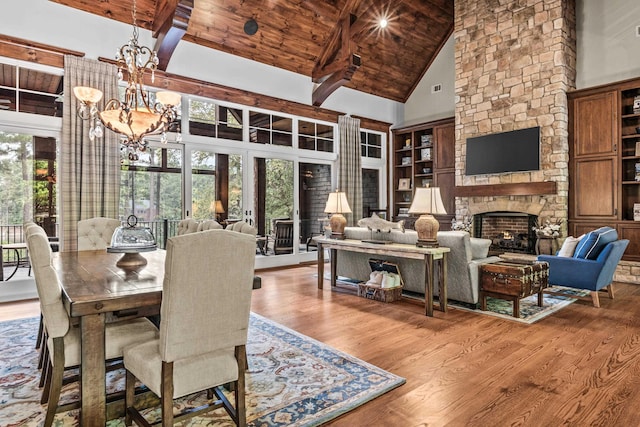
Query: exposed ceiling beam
[337,62]
[170,24]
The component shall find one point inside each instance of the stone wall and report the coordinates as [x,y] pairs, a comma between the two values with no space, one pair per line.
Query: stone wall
[514,62]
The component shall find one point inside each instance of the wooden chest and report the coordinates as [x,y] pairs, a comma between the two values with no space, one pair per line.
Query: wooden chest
[517,279]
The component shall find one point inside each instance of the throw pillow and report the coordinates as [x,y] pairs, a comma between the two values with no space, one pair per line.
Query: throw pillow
[568,247]
[591,245]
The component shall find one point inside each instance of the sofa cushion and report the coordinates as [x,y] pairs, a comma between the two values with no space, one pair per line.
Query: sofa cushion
[479,248]
[569,246]
[590,246]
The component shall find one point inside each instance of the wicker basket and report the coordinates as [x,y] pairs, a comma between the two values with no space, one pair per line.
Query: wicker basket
[379,294]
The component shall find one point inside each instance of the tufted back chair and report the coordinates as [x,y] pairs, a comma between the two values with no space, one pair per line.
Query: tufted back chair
[95,233]
[209,224]
[242,227]
[186,226]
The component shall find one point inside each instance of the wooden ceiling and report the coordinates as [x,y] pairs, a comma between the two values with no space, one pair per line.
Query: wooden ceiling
[336,42]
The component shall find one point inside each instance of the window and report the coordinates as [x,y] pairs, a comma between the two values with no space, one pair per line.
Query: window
[217,121]
[269,129]
[28,170]
[315,136]
[371,145]
[30,91]
[151,189]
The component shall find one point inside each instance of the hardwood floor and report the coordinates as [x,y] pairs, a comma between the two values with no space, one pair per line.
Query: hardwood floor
[578,367]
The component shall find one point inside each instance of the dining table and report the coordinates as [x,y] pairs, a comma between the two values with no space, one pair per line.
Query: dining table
[95,291]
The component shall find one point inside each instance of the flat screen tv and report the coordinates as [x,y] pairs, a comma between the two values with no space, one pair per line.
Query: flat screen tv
[514,151]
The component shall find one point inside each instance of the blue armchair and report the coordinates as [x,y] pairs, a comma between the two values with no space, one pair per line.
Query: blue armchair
[590,274]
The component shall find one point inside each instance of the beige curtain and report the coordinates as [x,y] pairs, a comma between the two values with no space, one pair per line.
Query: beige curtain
[89,170]
[350,167]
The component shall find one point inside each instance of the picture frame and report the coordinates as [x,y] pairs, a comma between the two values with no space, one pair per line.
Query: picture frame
[425,154]
[404,184]
[636,211]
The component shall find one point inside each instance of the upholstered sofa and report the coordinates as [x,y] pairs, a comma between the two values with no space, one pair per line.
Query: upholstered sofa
[466,256]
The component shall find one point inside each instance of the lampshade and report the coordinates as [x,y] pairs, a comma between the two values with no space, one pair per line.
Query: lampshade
[218,207]
[337,205]
[427,201]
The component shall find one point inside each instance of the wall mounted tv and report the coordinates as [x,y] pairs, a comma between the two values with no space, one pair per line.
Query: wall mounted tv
[513,151]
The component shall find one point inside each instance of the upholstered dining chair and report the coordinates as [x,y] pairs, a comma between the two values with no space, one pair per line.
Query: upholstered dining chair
[95,233]
[63,338]
[209,224]
[186,226]
[203,328]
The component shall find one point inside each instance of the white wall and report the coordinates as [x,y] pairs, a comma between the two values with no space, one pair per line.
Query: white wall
[422,105]
[57,25]
[608,49]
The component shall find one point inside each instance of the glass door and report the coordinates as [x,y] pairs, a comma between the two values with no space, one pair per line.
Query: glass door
[216,186]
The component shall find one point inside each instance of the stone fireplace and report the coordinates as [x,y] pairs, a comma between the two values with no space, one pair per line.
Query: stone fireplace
[514,63]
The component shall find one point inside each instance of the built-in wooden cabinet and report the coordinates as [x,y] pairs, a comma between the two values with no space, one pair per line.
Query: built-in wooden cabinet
[604,168]
[423,155]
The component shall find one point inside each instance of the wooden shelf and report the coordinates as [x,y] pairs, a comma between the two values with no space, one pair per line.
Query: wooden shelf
[518,189]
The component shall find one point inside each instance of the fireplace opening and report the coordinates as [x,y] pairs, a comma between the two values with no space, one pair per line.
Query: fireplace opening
[508,231]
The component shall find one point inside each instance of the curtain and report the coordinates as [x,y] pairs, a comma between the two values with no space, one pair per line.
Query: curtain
[350,167]
[89,170]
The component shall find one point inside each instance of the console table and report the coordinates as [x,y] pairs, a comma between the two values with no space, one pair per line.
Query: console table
[435,261]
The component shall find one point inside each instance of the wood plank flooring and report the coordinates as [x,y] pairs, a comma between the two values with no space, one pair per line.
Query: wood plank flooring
[578,367]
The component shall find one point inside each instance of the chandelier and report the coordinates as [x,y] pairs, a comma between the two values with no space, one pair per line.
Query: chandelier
[137,115]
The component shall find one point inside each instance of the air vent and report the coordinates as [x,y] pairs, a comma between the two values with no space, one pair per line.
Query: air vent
[436,88]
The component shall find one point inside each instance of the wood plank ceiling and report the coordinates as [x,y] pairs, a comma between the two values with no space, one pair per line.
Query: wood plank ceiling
[337,41]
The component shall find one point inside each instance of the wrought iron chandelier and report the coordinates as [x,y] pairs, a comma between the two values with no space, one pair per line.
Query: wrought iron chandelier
[136,116]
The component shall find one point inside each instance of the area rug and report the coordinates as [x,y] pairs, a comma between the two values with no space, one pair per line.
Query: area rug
[530,312]
[292,380]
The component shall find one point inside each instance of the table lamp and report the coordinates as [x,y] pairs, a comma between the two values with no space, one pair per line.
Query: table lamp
[219,210]
[427,201]
[337,205]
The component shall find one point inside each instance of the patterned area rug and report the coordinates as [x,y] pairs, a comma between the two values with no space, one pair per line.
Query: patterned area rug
[292,380]
[530,312]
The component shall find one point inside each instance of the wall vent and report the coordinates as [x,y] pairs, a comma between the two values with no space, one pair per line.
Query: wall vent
[436,88]
[638,31]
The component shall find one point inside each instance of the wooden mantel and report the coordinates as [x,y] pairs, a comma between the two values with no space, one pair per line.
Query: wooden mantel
[517,189]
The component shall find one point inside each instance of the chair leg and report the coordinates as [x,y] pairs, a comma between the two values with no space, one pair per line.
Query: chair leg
[45,381]
[241,356]
[595,298]
[610,290]
[40,332]
[46,362]
[129,396]
[56,380]
[167,394]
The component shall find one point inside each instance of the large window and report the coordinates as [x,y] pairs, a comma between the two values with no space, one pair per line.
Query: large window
[30,91]
[315,136]
[270,129]
[371,145]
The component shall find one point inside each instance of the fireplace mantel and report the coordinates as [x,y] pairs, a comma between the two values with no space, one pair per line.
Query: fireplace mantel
[516,189]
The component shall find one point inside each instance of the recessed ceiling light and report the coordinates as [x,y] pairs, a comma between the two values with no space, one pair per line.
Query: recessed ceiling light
[383,23]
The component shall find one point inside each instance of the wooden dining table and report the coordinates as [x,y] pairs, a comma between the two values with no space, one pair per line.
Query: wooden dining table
[96,291]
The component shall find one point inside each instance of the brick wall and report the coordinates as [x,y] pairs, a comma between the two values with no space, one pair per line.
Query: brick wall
[514,63]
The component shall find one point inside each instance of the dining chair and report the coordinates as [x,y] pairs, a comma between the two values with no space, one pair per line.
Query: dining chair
[186,226]
[209,224]
[95,233]
[63,338]
[203,327]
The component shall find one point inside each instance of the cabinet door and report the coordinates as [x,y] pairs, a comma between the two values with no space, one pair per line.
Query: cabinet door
[445,157]
[630,231]
[594,194]
[595,124]
[446,181]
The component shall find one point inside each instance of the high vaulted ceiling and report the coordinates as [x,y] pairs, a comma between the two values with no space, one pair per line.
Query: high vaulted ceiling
[336,42]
